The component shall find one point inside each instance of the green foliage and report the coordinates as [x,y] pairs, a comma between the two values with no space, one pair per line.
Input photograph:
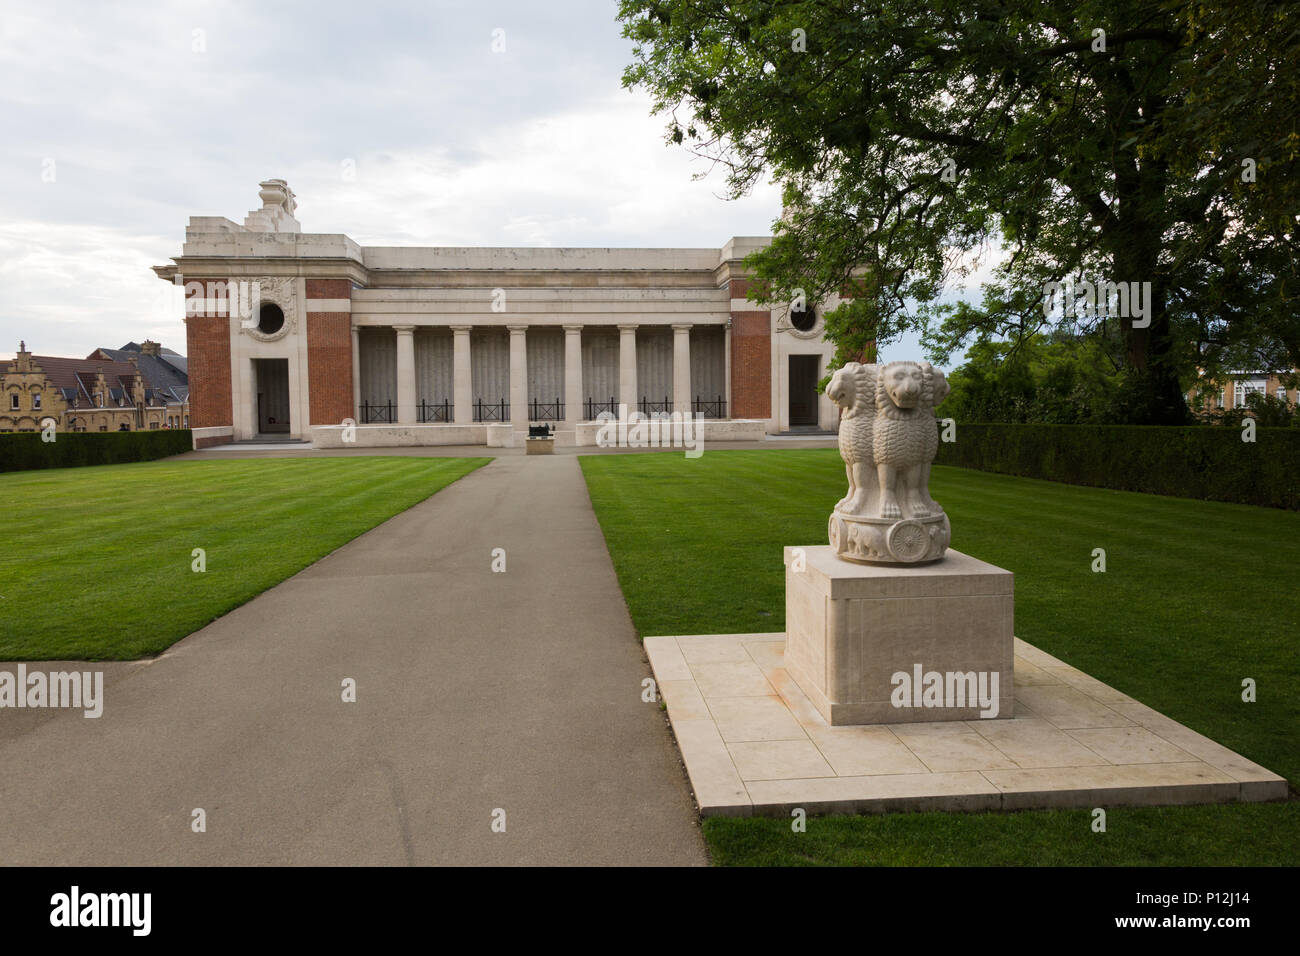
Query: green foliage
[1267,410]
[915,136]
[1231,835]
[1190,462]
[1241,102]
[21,451]
[1058,379]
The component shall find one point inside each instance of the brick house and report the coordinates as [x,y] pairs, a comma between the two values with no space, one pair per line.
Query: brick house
[108,391]
[1230,393]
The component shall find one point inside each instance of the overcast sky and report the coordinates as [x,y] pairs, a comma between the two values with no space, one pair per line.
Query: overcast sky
[395,123]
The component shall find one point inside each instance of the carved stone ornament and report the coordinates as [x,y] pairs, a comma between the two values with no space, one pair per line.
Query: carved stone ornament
[253,294]
[785,323]
[888,440]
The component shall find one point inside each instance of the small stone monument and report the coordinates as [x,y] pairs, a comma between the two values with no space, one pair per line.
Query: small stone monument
[888,440]
[887,624]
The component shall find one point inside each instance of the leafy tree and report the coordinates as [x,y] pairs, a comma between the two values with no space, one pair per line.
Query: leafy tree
[1057,379]
[1096,139]
[1242,98]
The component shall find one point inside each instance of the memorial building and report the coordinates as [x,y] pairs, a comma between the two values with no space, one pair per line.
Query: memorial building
[310,336]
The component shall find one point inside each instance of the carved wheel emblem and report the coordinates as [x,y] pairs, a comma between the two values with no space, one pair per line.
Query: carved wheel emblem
[908,541]
[836,533]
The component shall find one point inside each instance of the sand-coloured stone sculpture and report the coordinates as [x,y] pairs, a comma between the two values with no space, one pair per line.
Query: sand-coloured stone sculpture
[888,440]
[887,597]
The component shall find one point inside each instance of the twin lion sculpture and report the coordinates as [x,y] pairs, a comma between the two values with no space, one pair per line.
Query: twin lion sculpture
[888,439]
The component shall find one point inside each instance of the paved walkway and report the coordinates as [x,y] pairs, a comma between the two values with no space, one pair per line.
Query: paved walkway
[475,691]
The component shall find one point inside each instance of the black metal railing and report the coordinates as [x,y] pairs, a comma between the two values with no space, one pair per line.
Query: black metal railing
[593,409]
[545,411]
[377,413]
[500,412]
[648,407]
[434,411]
[714,409]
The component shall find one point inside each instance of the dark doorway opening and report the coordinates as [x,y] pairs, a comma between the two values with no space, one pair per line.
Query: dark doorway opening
[272,386]
[803,389]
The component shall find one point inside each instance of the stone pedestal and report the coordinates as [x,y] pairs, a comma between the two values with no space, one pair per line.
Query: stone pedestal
[882,644]
[540,446]
[889,540]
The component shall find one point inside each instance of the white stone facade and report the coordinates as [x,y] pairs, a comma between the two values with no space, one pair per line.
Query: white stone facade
[292,332]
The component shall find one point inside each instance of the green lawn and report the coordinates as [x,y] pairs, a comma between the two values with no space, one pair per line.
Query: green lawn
[1196,597]
[97,562]
[1251,834]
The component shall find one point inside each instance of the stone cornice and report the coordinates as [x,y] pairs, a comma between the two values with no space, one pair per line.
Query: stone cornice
[205,267]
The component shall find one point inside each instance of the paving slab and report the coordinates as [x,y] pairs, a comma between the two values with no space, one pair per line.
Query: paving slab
[759,747]
[476,691]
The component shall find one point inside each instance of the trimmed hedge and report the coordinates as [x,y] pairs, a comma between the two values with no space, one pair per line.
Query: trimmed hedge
[1210,463]
[23,451]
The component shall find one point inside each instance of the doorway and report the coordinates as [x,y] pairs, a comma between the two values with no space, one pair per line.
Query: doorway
[271,383]
[803,390]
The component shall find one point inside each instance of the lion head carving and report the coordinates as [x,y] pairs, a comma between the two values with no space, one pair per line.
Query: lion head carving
[909,387]
[852,388]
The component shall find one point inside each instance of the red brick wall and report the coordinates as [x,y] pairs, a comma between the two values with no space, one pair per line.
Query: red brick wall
[751,365]
[329,354]
[207,346]
[742,288]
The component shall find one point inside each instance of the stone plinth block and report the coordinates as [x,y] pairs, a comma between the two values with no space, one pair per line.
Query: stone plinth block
[883,644]
[540,446]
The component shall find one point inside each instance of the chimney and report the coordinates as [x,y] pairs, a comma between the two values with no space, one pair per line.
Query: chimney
[150,348]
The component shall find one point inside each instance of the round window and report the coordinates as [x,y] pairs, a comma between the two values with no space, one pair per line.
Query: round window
[803,319]
[270,319]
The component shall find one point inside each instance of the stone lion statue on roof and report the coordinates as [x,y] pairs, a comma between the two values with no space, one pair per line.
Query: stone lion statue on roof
[888,439]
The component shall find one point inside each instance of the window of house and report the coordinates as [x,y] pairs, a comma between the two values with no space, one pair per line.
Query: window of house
[1281,392]
[187,422]
[1244,387]
[99,399]
[13,400]
[1219,398]
[153,425]
[36,400]
[103,428]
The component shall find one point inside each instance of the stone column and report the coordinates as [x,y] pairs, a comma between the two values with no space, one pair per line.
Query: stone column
[726,361]
[518,375]
[405,374]
[572,374]
[356,374]
[462,377]
[682,368]
[627,367]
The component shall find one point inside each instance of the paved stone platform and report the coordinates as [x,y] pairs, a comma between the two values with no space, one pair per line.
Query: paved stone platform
[753,743]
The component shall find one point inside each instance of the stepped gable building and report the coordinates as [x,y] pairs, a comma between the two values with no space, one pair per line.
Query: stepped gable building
[164,371]
[312,336]
[98,393]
